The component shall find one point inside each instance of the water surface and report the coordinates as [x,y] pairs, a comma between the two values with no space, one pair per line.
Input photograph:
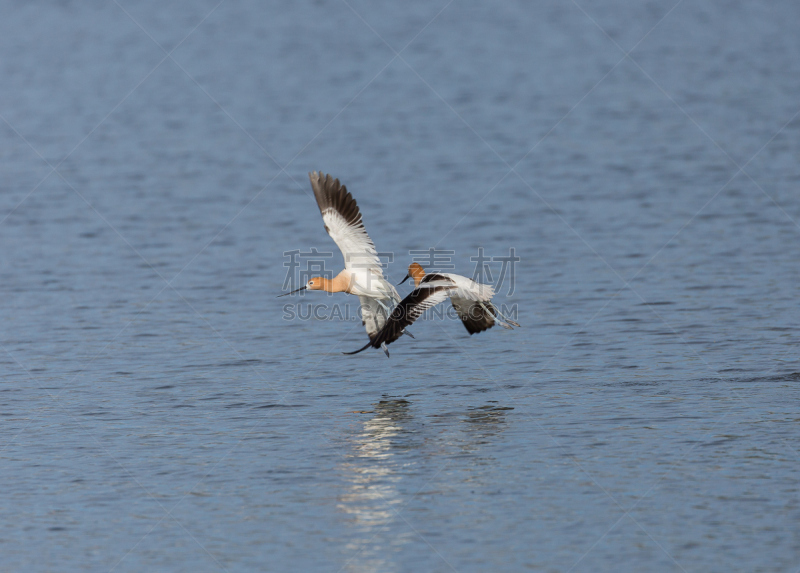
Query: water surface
[158,412]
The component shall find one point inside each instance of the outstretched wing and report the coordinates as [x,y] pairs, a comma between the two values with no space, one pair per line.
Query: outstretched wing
[471,301]
[410,309]
[343,223]
[373,314]
[472,313]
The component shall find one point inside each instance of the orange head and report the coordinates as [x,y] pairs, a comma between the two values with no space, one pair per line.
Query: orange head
[314,283]
[414,271]
[339,283]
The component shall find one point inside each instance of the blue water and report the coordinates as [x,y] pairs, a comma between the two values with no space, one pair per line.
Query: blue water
[159,413]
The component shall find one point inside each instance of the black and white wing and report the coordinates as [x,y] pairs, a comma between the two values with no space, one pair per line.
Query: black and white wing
[343,223]
[410,309]
[475,315]
[407,311]
[471,301]
[374,314]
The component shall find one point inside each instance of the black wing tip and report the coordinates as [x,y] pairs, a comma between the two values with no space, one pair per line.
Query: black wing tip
[323,179]
[363,348]
[474,328]
[325,182]
[367,345]
[481,322]
[330,194]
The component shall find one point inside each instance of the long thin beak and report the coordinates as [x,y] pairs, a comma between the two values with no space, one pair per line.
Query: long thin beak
[404,280]
[288,293]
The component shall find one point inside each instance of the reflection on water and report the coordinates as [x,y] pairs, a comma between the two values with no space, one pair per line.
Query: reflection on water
[372,500]
[390,446]
[484,422]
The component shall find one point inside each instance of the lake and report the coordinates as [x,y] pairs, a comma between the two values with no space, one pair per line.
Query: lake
[625,174]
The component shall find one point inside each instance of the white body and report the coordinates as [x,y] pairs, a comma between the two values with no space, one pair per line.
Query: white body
[363,273]
[468,289]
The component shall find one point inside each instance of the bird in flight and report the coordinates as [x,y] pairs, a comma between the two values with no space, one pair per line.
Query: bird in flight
[470,299]
[362,274]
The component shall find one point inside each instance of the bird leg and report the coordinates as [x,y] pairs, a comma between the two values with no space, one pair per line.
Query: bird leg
[508,320]
[497,318]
